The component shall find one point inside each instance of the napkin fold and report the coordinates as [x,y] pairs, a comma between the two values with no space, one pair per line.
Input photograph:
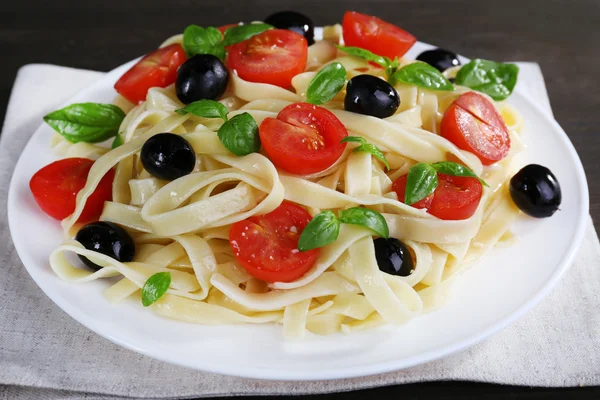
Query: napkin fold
[46,354]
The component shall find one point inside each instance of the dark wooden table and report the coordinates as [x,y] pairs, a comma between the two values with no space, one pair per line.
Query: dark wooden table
[562,36]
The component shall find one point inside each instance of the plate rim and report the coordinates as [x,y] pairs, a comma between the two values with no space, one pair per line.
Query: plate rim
[436,353]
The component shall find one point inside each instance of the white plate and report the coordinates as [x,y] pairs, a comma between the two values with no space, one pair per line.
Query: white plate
[487,298]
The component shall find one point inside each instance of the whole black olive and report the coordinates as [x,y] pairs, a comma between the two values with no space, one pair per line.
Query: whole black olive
[295,22]
[201,77]
[393,257]
[106,238]
[439,58]
[370,95]
[168,156]
[536,191]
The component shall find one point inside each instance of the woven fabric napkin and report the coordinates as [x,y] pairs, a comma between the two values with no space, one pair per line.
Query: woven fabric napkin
[46,354]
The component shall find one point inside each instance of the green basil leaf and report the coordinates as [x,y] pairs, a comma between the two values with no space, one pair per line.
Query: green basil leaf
[239,33]
[117,142]
[322,230]
[497,80]
[456,169]
[365,55]
[420,183]
[423,75]
[205,109]
[356,139]
[155,287]
[374,150]
[368,218]
[391,69]
[240,135]
[198,40]
[86,122]
[326,84]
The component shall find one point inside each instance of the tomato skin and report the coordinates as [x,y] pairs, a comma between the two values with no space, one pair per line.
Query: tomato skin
[399,186]
[157,69]
[375,35]
[267,245]
[455,197]
[274,57]
[56,185]
[473,124]
[303,139]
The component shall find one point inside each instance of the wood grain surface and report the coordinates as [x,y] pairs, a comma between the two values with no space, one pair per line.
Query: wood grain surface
[562,36]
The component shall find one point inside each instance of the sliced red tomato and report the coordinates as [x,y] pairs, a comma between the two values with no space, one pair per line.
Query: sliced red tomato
[455,197]
[399,186]
[375,35]
[157,69]
[303,139]
[55,188]
[473,124]
[267,245]
[274,56]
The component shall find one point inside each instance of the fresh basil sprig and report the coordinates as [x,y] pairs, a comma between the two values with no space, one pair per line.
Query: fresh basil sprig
[86,122]
[324,228]
[155,287]
[456,169]
[365,55]
[422,179]
[390,65]
[420,183]
[495,79]
[326,84]
[209,40]
[206,109]
[240,135]
[367,148]
[198,40]
[423,75]
[418,74]
[365,217]
[239,33]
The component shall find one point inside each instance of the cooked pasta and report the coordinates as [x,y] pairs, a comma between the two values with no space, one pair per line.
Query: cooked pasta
[182,226]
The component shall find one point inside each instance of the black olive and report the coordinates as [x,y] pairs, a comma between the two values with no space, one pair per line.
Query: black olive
[201,77]
[168,156]
[369,95]
[535,190]
[439,58]
[393,257]
[295,22]
[106,238]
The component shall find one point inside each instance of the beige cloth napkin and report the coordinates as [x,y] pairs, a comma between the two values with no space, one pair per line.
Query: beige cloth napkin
[46,354]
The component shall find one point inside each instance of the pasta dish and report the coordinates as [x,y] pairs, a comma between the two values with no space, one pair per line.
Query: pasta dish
[252,174]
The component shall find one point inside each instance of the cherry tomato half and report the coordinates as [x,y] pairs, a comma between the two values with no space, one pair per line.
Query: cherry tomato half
[456,197]
[399,186]
[55,188]
[157,69]
[274,56]
[375,35]
[267,245]
[303,139]
[473,124]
